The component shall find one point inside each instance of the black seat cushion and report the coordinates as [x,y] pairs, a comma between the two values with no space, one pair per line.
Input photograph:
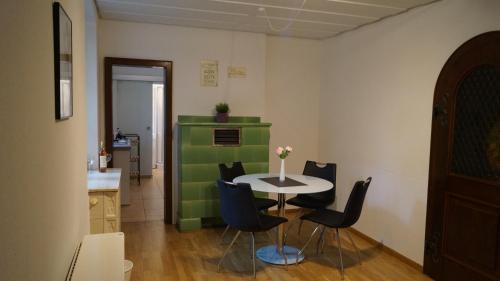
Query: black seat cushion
[264,203]
[266,222]
[309,202]
[326,217]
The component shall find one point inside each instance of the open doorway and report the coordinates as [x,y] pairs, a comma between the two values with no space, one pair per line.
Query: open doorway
[138,119]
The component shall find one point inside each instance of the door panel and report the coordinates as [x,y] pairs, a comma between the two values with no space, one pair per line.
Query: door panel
[463,208]
[455,271]
[471,232]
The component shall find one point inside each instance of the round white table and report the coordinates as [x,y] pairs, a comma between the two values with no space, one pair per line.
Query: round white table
[279,254]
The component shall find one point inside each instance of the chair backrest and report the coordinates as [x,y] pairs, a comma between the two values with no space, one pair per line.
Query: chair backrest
[354,205]
[329,173]
[237,205]
[228,174]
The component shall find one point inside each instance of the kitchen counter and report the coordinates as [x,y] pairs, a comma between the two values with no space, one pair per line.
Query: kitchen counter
[121,144]
[109,181]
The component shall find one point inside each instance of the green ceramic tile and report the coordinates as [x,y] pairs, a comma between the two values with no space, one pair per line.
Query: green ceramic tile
[185,209]
[259,194]
[205,208]
[199,172]
[201,136]
[227,154]
[185,136]
[198,164]
[189,224]
[199,190]
[254,153]
[255,136]
[210,119]
[198,154]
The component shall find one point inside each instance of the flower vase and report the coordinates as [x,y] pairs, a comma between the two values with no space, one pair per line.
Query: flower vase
[282,170]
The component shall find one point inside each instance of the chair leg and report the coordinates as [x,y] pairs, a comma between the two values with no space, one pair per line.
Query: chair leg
[253,254]
[251,245]
[323,243]
[285,257]
[221,239]
[307,243]
[300,228]
[321,240]
[354,245]
[227,250]
[340,254]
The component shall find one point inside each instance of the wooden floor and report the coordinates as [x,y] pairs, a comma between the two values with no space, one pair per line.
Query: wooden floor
[160,252]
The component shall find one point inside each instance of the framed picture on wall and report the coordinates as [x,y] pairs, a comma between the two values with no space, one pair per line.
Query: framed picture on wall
[63,63]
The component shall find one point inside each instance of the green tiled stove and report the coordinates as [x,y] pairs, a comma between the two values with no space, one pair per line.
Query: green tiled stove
[203,144]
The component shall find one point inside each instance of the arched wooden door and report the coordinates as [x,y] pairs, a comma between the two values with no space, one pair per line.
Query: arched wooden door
[463,209]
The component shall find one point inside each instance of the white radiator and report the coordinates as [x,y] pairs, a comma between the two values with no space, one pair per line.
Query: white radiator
[99,258]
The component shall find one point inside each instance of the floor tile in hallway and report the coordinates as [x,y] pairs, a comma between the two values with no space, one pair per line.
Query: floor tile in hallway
[146,200]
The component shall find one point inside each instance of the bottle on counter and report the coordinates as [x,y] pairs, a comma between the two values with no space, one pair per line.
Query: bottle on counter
[103,163]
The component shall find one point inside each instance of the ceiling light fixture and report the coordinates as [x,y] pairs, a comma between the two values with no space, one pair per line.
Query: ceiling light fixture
[290,20]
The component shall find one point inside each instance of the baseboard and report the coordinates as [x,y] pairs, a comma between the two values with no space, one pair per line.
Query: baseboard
[388,250]
[370,240]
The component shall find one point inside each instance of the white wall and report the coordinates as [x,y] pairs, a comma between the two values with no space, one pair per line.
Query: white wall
[186,47]
[91,84]
[44,201]
[293,68]
[375,111]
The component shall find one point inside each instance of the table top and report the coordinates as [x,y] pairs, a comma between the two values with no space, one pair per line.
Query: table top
[109,181]
[312,184]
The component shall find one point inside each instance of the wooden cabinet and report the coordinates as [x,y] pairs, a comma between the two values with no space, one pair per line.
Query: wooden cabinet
[104,201]
[104,211]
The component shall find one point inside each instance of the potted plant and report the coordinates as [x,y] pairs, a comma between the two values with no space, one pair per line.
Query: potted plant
[222,110]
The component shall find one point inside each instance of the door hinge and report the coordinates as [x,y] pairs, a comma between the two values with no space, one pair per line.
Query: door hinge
[432,247]
[440,110]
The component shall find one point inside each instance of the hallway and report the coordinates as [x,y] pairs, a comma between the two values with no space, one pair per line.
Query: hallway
[146,200]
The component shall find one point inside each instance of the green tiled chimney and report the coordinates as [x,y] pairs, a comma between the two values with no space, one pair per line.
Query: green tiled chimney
[199,158]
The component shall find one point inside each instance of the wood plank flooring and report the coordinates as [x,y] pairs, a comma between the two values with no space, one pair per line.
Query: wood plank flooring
[160,252]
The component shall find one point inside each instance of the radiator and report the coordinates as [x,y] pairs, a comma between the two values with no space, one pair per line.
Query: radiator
[99,258]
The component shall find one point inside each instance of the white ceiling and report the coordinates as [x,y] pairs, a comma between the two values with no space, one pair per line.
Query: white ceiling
[317,19]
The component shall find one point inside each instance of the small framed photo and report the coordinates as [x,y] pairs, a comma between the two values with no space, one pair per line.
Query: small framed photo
[63,62]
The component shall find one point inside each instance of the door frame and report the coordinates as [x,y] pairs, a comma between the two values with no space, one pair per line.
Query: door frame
[168,129]
[464,59]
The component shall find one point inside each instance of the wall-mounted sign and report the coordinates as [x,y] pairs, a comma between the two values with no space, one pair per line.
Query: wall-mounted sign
[237,72]
[209,73]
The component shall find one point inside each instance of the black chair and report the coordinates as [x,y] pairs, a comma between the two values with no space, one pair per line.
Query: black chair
[319,200]
[238,210]
[228,174]
[334,219]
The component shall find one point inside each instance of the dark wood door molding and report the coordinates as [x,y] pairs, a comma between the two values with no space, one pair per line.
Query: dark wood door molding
[463,212]
[108,117]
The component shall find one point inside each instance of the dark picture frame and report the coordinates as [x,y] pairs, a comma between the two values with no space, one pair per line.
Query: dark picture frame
[63,62]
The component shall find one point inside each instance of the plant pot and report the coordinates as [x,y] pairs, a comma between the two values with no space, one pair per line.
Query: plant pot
[221,117]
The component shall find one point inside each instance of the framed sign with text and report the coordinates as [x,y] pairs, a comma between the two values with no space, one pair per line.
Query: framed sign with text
[209,73]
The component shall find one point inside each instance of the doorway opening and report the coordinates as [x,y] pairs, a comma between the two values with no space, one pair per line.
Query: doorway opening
[138,128]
